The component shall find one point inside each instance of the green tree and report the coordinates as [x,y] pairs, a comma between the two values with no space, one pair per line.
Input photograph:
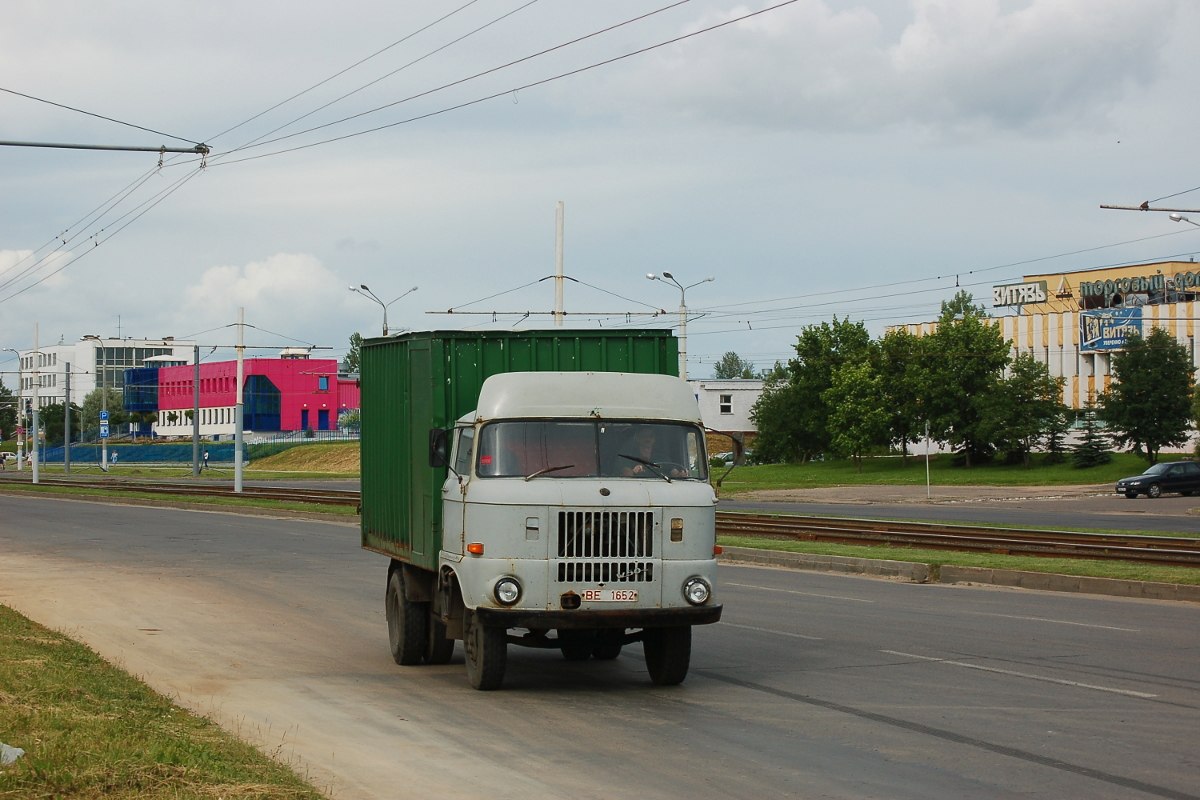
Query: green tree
[1023,407]
[8,410]
[1092,450]
[53,419]
[353,361]
[778,429]
[858,420]
[791,415]
[731,365]
[1149,404]
[903,378]
[1056,435]
[89,411]
[966,358]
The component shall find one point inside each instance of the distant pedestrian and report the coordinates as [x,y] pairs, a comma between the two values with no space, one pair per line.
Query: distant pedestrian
[205,460]
[113,457]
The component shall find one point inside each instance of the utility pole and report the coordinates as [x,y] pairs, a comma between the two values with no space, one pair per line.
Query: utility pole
[196,411]
[67,424]
[37,379]
[238,406]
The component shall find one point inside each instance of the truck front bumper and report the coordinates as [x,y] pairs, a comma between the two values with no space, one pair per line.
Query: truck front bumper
[594,619]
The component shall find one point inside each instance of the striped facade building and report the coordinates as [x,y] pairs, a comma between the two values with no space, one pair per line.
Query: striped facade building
[1074,322]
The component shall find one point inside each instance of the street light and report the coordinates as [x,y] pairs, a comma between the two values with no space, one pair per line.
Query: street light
[1181,218]
[365,291]
[667,277]
[98,348]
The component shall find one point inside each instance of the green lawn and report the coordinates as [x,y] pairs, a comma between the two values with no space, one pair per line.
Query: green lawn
[893,471]
[92,731]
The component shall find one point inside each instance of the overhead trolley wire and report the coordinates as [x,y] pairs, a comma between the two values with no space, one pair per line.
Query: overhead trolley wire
[505,92]
[97,116]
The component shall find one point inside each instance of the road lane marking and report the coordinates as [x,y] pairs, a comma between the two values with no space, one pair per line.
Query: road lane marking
[1057,621]
[768,630]
[793,591]
[1016,674]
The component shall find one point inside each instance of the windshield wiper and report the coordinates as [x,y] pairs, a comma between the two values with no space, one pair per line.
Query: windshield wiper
[547,469]
[657,469]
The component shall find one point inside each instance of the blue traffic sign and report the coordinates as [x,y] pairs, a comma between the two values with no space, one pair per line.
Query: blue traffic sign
[103,430]
[104,416]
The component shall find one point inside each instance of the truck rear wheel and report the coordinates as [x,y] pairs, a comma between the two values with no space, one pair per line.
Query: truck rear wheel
[668,654]
[407,623]
[439,649]
[608,644]
[576,645]
[487,653]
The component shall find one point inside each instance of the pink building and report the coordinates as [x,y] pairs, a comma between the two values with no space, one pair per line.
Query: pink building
[280,394]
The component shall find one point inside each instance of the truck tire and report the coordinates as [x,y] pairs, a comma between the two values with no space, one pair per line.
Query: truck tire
[407,623]
[668,654]
[487,653]
[439,649]
[608,644]
[576,645]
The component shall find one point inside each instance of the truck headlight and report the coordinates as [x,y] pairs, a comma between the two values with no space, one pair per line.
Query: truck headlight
[696,591]
[507,591]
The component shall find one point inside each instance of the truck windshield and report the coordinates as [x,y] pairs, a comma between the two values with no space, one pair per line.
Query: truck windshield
[591,449]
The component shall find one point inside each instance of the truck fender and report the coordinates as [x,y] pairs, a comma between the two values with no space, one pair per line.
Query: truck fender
[418,583]
[448,603]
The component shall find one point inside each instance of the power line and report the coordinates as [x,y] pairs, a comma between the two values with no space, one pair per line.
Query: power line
[445,46]
[98,116]
[509,91]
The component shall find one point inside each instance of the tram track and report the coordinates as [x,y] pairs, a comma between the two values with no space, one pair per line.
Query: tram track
[1161,550]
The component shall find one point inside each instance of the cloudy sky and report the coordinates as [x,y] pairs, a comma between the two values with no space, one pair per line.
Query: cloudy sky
[818,157]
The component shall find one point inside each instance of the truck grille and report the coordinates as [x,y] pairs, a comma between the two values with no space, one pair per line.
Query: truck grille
[602,546]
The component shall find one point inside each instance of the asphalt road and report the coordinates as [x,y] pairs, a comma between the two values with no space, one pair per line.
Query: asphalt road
[813,685]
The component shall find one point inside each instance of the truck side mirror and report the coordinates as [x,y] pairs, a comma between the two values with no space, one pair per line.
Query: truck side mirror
[439,447]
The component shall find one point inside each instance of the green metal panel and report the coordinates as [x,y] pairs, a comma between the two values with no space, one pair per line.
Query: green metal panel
[419,381]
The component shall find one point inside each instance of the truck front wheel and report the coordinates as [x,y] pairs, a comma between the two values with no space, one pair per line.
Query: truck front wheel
[407,623]
[668,654]
[487,653]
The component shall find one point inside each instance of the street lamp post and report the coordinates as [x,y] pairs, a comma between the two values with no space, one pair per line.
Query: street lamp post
[1181,218]
[365,291]
[667,277]
[97,354]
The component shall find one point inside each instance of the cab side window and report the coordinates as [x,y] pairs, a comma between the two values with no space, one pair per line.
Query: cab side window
[462,452]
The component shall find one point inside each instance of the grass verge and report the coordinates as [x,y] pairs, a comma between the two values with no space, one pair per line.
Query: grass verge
[1122,570]
[893,471]
[92,731]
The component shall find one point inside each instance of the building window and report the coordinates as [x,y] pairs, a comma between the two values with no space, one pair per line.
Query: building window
[726,403]
[323,383]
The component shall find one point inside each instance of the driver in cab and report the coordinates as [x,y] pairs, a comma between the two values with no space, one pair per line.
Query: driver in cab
[642,450]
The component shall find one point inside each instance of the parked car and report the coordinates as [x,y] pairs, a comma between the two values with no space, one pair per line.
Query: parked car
[1168,476]
[8,457]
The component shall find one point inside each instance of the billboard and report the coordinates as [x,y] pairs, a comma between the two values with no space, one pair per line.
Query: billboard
[1108,328]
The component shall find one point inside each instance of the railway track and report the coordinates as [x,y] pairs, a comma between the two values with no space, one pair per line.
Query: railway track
[1162,550]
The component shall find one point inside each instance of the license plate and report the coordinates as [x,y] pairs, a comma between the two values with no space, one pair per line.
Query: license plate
[610,595]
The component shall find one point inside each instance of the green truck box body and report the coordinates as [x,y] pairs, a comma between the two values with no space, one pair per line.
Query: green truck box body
[418,381]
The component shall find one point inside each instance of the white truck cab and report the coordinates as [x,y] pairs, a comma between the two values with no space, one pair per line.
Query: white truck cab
[579,503]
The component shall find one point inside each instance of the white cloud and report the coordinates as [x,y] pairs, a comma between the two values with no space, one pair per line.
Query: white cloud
[955,66]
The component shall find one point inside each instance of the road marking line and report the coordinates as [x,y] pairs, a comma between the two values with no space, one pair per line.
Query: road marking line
[1058,621]
[793,591]
[1015,674]
[768,630]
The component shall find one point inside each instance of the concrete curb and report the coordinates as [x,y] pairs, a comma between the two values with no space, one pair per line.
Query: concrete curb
[925,573]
